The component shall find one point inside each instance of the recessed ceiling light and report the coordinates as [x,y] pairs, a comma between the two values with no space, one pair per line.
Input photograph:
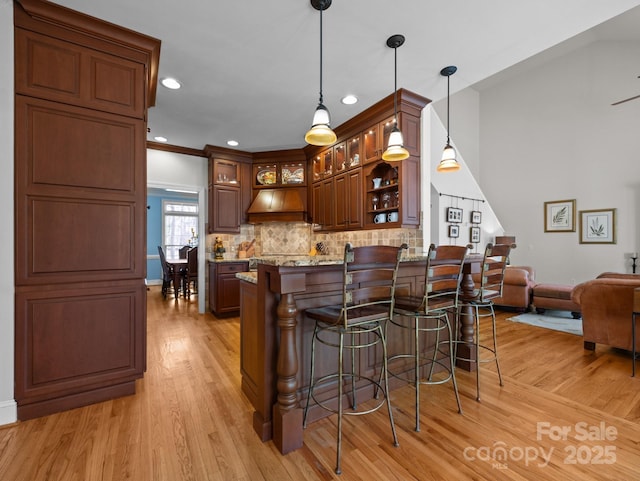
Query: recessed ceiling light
[232,143]
[171,83]
[349,99]
[159,138]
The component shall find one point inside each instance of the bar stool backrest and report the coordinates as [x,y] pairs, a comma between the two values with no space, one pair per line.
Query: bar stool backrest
[369,283]
[442,277]
[496,258]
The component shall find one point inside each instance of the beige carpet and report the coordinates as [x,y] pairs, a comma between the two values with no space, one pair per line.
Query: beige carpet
[556,320]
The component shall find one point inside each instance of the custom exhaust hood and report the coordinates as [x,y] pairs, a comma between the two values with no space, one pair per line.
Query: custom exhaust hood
[278,205]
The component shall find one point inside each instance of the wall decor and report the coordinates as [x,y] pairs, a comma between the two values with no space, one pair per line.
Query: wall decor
[598,226]
[474,234]
[454,230]
[454,214]
[476,217]
[560,216]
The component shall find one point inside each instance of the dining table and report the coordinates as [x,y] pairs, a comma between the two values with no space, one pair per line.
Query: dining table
[178,267]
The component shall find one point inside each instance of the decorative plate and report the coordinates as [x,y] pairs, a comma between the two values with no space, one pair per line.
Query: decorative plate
[266,177]
[295,177]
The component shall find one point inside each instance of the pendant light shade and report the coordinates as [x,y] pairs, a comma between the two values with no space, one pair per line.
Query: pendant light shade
[395,150]
[320,132]
[448,162]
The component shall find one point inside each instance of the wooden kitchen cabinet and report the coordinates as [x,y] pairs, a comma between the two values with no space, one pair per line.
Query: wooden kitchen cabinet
[348,200]
[229,189]
[82,89]
[343,196]
[376,139]
[224,287]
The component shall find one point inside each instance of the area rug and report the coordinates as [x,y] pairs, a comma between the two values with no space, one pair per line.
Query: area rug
[556,320]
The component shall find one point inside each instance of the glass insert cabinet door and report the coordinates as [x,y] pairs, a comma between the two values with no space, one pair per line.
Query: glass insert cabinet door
[225,172]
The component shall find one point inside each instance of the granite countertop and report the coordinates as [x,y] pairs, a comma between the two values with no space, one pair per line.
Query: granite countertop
[292,261]
[231,259]
[251,276]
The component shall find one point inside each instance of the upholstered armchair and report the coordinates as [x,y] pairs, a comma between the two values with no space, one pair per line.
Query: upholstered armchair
[517,288]
[607,304]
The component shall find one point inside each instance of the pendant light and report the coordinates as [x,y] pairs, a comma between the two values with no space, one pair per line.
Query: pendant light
[320,132]
[395,150]
[448,162]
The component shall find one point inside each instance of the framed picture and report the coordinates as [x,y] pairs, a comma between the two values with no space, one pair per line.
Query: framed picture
[454,214]
[598,226]
[474,234]
[560,216]
[454,230]
[476,217]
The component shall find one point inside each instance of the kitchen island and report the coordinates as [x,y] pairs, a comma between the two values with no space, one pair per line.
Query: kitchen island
[276,338]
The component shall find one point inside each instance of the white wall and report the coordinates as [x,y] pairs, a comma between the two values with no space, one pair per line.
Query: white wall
[168,169]
[551,134]
[8,409]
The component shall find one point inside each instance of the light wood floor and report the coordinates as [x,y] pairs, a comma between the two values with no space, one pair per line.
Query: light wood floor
[190,421]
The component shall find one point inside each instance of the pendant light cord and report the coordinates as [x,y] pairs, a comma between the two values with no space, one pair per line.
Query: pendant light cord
[322,7]
[448,139]
[395,85]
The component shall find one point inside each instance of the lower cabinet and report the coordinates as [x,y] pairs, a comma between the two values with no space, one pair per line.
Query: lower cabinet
[224,287]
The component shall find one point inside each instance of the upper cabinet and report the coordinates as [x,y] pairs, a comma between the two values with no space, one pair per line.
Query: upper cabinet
[376,138]
[279,174]
[353,187]
[229,189]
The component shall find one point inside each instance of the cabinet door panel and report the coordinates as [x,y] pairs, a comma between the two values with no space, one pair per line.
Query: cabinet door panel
[66,72]
[70,338]
[226,209]
[355,199]
[410,206]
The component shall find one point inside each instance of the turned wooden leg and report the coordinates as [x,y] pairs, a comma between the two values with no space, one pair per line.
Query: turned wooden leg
[467,327]
[287,415]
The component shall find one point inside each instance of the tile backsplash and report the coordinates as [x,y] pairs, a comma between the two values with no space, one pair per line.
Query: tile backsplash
[296,238]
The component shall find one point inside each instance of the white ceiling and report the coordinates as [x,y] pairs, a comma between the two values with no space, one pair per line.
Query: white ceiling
[250,68]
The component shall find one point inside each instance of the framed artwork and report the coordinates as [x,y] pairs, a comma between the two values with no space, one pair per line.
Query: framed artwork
[560,216]
[454,214]
[598,226]
[476,217]
[454,230]
[474,234]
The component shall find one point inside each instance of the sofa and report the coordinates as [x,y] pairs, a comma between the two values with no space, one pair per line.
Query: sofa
[517,288]
[606,303]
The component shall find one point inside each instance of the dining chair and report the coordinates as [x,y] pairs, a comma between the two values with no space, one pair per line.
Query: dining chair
[494,262]
[427,316]
[357,323]
[182,252]
[167,273]
[191,273]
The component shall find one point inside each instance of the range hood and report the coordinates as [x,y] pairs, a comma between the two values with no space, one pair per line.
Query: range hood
[278,205]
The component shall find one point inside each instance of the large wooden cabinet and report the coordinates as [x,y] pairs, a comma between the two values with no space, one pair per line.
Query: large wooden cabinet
[82,88]
[229,189]
[224,287]
[353,187]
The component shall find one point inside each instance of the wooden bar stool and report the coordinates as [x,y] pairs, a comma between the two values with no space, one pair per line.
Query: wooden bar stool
[429,315]
[358,323]
[495,260]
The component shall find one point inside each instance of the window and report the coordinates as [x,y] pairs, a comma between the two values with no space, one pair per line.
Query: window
[180,226]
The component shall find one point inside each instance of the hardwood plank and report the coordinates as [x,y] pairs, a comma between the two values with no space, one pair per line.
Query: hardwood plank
[190,421]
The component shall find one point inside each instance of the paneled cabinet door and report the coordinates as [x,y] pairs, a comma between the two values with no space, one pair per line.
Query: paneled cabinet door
[224,213]
[348,200]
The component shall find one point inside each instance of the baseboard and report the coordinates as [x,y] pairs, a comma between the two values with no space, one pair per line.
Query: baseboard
[154,282]
[8,412]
